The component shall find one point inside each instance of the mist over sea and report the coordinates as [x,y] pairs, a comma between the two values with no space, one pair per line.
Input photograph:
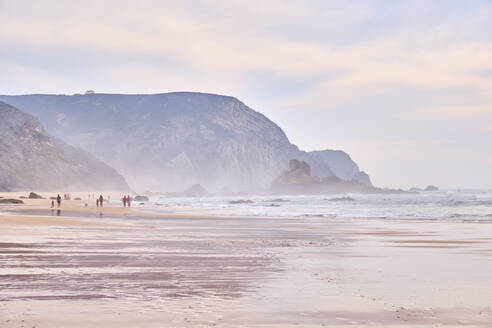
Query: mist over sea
[457,205]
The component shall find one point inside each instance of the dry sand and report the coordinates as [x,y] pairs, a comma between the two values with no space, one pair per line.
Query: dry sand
[125,268]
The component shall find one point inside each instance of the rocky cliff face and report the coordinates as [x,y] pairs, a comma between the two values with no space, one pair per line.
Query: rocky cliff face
[31,159]
[171,141]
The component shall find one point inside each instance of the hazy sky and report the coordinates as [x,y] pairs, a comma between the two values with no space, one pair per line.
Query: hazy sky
[405,87]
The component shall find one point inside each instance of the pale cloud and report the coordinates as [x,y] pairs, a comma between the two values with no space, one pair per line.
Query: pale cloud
[372,70]
[460,111]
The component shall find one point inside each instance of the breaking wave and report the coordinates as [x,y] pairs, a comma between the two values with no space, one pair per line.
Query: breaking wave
[446,205]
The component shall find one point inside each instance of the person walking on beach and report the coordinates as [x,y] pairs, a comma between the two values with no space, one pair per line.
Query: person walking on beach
[124,201]
[58,200]
[97,202]
[128,200]
[101,199]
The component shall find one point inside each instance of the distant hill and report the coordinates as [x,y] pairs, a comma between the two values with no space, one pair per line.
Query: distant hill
[171,141]
[30,159]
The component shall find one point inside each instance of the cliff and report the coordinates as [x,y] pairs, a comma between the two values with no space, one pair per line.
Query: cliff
[30,159]
[171,141]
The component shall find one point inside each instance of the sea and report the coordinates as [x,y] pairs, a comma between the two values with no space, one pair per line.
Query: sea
[458,205]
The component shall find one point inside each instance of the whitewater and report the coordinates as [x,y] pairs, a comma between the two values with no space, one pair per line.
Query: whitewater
[461,205]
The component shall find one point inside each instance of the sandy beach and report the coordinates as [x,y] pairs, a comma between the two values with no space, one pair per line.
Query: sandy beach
[120,267]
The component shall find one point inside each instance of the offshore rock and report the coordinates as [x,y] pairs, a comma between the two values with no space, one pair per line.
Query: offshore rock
[33,195]
[11,201]
[298,180]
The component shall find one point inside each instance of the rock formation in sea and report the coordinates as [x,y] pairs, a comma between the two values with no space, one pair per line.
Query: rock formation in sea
[11,201]
[298,180]
[31,159]
[167,142]
[33,195]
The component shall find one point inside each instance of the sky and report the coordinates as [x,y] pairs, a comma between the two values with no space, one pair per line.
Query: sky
[405,87]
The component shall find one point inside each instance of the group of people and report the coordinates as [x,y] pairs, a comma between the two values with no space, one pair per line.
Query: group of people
[99,201]
[127,200]
[58,201]
[92,196]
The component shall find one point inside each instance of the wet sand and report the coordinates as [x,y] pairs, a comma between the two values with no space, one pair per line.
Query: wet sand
[132,269]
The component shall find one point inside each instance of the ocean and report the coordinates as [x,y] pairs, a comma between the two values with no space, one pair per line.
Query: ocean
[460,205]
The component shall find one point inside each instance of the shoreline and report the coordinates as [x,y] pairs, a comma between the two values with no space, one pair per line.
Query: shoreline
[76,209]
[135,268]
[116,209]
